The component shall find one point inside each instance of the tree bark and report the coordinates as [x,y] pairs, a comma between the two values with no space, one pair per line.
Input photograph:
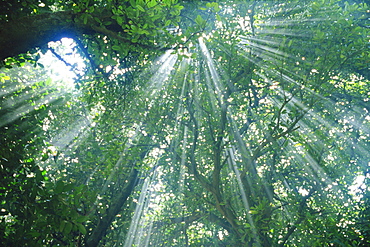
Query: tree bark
[26,33]
[114,208]
[29,32]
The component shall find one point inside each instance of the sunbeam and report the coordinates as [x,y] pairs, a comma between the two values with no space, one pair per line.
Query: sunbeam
[140,221]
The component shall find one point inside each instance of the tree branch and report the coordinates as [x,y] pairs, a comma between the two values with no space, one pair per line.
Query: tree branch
[291,230]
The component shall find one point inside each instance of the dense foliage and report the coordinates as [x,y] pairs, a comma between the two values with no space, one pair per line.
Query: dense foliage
[190,123]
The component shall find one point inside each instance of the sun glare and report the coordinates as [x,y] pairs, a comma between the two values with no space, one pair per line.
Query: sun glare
[63,63]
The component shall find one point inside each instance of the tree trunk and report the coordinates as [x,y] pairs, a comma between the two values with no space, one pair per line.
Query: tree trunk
[29,32]
[114,208]
[34,31]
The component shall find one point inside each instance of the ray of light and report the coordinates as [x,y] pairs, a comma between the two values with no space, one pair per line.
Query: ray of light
[183,160]
[26,108]
[234,167]
[180,108]
[285,22]
[271,41]
[162,69]
[162,73]
[131,140]
[135,233]
[269,52]
[217,95]
[10,86]
[139,233]
[311,166]
[212,69]
[283,31]
[316,120]
[79,129]
[285,78]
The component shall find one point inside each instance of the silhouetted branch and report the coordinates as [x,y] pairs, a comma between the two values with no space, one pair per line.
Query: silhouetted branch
[301,217]
[60,57]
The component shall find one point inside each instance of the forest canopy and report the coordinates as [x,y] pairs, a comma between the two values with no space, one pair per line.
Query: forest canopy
[184,123]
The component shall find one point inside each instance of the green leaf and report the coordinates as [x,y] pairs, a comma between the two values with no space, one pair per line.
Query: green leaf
[140,8]
[68,187]
[116,47]
[6,77]
[68,228]
[44,157]
[81,228]
[199,20]
[82,218]
[59,187]
[62,225]
[216,8]
[218,17]
[85,16]
[152,3]
[119,20]
[290,43]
